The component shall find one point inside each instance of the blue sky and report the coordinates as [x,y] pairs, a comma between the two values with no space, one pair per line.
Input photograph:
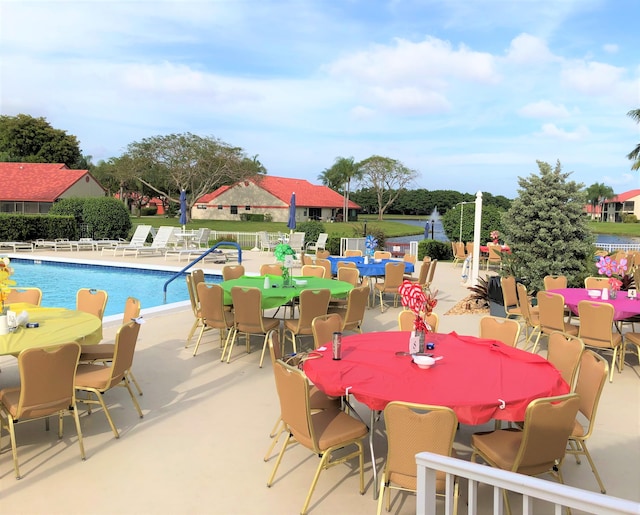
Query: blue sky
[469,93]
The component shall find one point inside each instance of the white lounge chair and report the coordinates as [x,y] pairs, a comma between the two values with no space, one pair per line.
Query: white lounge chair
[159,245]
[320,244]
[137,240]
[296,241]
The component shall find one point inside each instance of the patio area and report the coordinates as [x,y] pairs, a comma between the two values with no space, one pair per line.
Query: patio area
[200,446]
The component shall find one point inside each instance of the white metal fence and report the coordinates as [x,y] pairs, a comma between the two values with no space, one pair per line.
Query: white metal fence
[531,488]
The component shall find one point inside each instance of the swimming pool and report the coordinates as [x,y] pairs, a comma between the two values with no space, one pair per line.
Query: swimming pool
[59,283]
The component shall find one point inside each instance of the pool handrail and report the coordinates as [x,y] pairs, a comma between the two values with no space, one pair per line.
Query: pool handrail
[205,254]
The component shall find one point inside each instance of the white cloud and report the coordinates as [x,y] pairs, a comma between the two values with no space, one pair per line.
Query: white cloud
[610,48]
[553,131]
[528,49]
[544,109]
[592,78]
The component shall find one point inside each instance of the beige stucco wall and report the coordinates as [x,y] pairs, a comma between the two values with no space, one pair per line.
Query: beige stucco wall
[84,188]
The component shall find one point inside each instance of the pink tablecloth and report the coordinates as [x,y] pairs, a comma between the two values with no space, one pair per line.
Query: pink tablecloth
[479,379]
[624,307]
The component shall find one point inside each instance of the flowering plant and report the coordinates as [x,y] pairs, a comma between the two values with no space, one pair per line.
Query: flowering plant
[5,281]
[413,297]
[370,244]
[613,270]
[495,236]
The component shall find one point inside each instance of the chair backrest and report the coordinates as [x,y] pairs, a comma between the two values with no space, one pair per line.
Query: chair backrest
[140,235]
[247,309]
[296,241]
[346,264]
[551,311]
[509,291]
[505,330]
[406,318]
[432,271]
[565,352]
[592,376]
[322,240]
[202,238]
[548,422]
[193,295]
[424,272]
[433,321]
[313,303]
[381,254]
[393,274]
[92,301]
[555,282]
[596,323]
[28,295]
[458,250]
[131,309]
[271,269]
[356,307]
[525,307]
[349,275]
[47,378]
[322,254]
[409,258]
[211,298]
[327,267]
[275,349]
[596,283]
[125,346]
[306,259]
[353,253]
[264,239]
[162,237]
[413,428]
[232,272]
[469,248]
[323,327]
[313,271]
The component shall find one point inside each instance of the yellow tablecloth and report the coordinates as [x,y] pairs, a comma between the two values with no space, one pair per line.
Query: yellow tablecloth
[57,326]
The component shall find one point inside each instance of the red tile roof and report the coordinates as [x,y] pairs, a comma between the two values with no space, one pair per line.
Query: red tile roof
[623,197]
[307,194]
[37,182]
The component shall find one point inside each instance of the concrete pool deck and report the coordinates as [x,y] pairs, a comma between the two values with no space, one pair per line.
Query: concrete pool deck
[200,446]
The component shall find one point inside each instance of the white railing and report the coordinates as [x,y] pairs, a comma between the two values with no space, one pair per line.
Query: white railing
[358,244]
[351,244]
[531,488]
[610,247]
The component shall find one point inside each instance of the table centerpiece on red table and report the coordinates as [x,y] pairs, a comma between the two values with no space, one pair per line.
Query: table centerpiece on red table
[495,236]
[616,272]
[5,288]
[412,296]
[285,254]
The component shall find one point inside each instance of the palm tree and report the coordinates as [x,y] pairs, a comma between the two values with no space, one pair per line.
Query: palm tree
[634,155]
[339,178]
[596,195]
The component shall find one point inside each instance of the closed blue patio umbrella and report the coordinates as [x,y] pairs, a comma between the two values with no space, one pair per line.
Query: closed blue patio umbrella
[183,209]
[291,223]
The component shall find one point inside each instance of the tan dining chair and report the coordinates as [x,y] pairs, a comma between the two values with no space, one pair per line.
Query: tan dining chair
[411,259]
[346,264]
[322,254]
[505,330]
[323,327]
[271,269]
[327,267]
[349,275]
[539,447]
[407,317]
[248,319]
[232,272]
[353,316]
[353,253]
[95,380]
[313,271]
[92,301]
[214,315]
[103,352]
[591,380]
[381,254]
[565,352]
[313,303]
[551,314]
[495,256]
[432,271]
[597,330]
[393,277]
[306,259]
[323,433]
[554,282]
[459,254]
[413,428]
[596,283]
[510,297]
[423,274]
[530,316]
[46,388]
[28,295]
[192,283]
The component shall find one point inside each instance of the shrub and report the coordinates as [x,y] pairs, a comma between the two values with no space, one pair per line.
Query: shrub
[435,250]
[149,211]
[107,216]
[251,217]
[18,227]
[311,230]
[376,232]
[268,217]
[629,219]
[333,243]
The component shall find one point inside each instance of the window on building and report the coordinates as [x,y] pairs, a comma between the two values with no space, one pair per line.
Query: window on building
[234,210]
[247,208]
[219,206]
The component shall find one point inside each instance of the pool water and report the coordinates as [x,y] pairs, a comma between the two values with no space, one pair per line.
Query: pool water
[59,283]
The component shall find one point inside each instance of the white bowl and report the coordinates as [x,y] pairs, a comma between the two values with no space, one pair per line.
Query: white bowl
[424,361]
[594,294]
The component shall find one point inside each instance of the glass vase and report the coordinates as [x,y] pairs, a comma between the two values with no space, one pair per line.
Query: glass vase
[613,293]
[286,277]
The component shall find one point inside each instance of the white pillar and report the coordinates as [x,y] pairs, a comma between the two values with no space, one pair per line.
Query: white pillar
[477,227]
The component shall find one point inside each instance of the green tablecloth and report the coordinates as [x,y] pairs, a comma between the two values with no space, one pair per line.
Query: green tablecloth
[278,296]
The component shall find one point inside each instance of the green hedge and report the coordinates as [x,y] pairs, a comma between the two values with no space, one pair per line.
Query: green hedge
[107,216]
[18,227]
[435,249]
[251,217]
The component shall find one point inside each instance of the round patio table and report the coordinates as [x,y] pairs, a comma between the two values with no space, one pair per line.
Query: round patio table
[623,306]
[277,296]
[56,326]
[375,268]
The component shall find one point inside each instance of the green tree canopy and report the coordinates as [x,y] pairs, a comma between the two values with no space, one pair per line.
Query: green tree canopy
[634,155]
[546,228]
[339,178]
[597,193]
[25,139]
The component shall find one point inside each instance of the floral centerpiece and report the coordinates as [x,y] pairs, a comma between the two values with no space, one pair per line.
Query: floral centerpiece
[615,271]
[5,282]
[412,296]
[370,244]
[495,236]
[285,254]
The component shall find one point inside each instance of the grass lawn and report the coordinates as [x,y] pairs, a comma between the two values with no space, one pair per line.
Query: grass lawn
[615,229]
[391,229]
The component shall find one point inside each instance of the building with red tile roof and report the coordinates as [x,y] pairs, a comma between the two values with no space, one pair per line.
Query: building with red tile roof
[272,195]
[34,187]
[617,207]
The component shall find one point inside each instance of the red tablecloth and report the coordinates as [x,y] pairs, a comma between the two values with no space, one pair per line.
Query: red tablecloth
[624,307]
[503,248]
[473,378]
